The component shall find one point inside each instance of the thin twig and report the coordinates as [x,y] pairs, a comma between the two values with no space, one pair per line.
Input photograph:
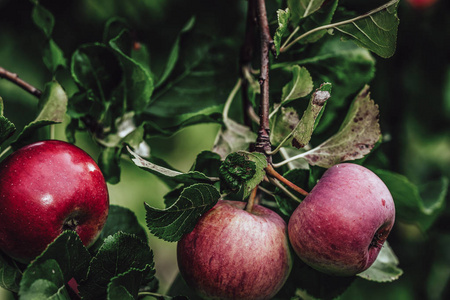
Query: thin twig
[271,171]
[230,98]
[384,6]
[14,78]
[283,189]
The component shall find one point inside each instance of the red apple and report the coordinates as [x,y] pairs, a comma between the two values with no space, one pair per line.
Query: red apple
[340,227]
[421,4]
[46,188]
[234,254]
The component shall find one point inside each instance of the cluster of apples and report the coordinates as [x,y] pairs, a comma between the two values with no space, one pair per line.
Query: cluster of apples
[338,229]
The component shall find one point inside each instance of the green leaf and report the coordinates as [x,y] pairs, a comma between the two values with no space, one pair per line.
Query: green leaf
[345,65]
[304,129]
[118,254]
[299,132]
[7,128]
[188,178]
[120,219]
[283,21]
[241,172]
[300,85]
[70,254]
[10,274]
[172,223]
[65,258]
[43,281]
[174,53]
[319,18]
[139,83]
[376,30]
[43,19]
[197,86]
[95,67]
[207,162]
[303,8]
[384,269]
[53,56]
[52,110]
[359,133]
[420,205]
[126,285]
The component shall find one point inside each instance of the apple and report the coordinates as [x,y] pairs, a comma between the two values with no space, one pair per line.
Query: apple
[341,225]
[46,188]
[235,254]
[421,4]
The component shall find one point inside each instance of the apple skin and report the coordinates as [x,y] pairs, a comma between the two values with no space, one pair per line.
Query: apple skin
[234,254]
[341,225]
[46,188]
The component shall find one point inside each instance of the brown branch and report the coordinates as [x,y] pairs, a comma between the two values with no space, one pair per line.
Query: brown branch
[271,171]
[14,78]
[263,140]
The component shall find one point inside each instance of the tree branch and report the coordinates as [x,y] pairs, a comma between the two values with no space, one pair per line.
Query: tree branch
[14,78]
[263,140]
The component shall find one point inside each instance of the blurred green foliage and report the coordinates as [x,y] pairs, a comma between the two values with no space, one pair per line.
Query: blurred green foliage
[412,89]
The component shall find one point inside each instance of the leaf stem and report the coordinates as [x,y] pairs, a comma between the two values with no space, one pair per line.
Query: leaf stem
[14,78]
[6,150]
[271,171]
[155,295]
[276,165]
[283,189]
[333,25]
[230,98]
[290,37]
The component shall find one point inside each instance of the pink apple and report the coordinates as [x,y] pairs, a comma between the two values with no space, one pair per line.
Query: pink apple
[340,227]
[46,188]
[234,254]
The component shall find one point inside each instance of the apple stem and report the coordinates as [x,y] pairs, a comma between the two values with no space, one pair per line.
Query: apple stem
[271,171]
[252,200]
[14,78]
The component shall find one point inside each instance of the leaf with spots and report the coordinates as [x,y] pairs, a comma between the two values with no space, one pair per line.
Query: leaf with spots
[172,223]
[288,127]
[358,134]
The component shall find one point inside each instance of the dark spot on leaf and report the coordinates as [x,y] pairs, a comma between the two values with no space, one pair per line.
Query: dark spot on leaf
[296,144]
